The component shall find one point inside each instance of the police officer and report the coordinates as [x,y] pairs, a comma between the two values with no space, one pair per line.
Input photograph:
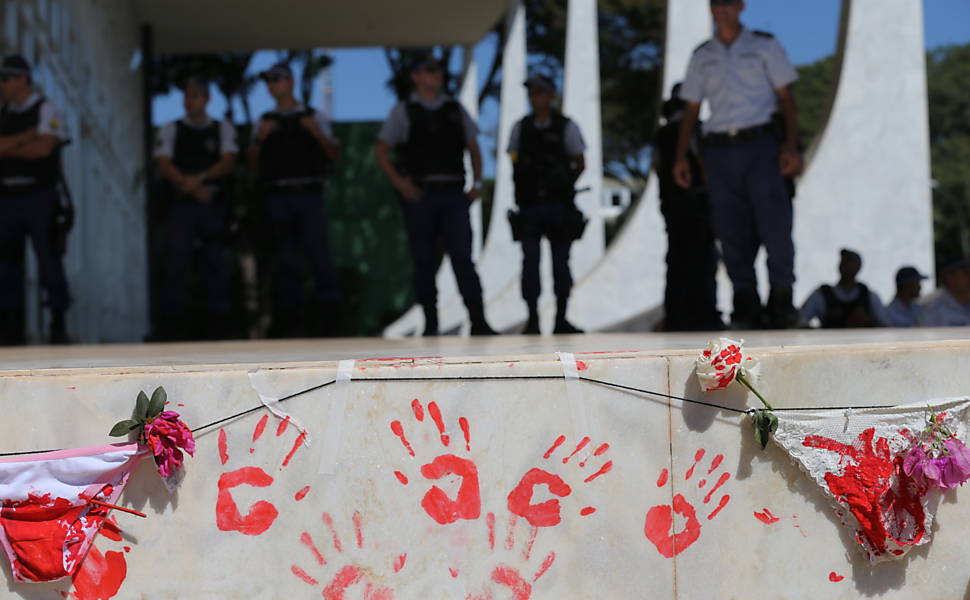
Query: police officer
[195,156]
[292,149]
[905,308]
[745,75]
[31,135]
[849,303]
[431,132]
[690,297]
[546,148]
[950,305]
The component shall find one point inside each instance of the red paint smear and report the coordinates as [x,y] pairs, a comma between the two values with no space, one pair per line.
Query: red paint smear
[436,417]
[556,444]
[720,506]
[453,571]
[303,575]
[865,486]
[296,446]
[697,458]
[417,409]
[543,514]
[178,404]
[258,431]
[111,530]
[581,366]
[307,541]
[126,548]
[100,575]
[490,523]
[401,477]
[603,448]
[399,432]
[399,562]
[358,529]
[72,387]
[715,463]
[546,563]
[835,577]
[660,522]
[223,447]
[281,428]
[463,423]
[720,481]
[302,493]
[510,578]
[510,532]
[344,578]
[766,517]
[587,511]
[527,551]
[260,516]
[468,501]
[603,471]
[582,444]
[662,480]
[701,483]
[328,520]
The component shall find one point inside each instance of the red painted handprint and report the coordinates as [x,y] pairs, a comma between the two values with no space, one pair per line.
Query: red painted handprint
[547,514]
[342,571]
[101,574]
[513,573]
[467,503]
[262,514]
[659,523]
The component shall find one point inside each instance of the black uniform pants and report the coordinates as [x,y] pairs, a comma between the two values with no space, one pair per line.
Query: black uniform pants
[30,214]
[442,214]
[549,220]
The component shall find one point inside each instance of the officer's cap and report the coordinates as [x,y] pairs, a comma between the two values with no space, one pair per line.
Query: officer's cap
[425,61]
[15,64]
[197,82]
[845,253]
[280,69]
[541,82]
[909,275]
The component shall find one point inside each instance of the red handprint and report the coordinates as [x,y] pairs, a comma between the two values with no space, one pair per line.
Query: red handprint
[101,574]
[351,574]
[467,503]
[547,514]
[887,514]
[659,523]
[512,572]
[262,514]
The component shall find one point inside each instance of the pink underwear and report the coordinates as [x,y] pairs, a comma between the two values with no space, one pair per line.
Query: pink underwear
[47,519]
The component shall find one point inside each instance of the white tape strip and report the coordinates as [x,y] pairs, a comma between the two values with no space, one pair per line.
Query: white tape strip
[335,422]
[257,379]
[577,410]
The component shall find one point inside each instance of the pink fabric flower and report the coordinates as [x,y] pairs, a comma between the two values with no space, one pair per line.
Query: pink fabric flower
[720,364]
[949,470]
[165,435]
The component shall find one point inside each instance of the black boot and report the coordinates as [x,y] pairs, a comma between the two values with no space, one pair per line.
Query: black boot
[562,325]
[747,310]
[430,320]
[532,325]
[12,327]
[476,314]
[781,312]
[58,332]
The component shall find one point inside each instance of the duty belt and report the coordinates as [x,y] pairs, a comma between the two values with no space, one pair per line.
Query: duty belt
[736,136]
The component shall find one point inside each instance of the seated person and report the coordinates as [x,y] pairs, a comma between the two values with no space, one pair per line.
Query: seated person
[904,310]
[849,303]
[949,306]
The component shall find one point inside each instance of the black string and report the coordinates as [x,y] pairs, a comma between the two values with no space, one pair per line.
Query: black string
[492,378]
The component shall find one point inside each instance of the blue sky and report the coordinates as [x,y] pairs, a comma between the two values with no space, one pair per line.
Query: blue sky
[807,28]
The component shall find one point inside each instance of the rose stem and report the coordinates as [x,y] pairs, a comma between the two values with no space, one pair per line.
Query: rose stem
[121,508]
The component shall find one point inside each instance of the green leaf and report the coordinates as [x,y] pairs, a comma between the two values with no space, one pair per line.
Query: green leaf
[157,404]
[765,423]
[122,428]
[141,407]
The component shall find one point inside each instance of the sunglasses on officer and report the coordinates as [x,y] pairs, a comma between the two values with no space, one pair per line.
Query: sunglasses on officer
[723,2]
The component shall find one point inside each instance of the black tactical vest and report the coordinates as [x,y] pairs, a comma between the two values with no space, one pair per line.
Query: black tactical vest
[838,313]
[43,171]
[291,152]
[196,149]
[436,141]
[543,169]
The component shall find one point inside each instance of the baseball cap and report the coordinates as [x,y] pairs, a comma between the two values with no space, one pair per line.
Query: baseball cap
[14,64]
[909,274]
[280,69]
[850,254]
[541,82]
[425,61]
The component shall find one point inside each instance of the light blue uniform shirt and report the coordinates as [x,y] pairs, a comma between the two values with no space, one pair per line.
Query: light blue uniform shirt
[901,315]
[943,310]
[739,80]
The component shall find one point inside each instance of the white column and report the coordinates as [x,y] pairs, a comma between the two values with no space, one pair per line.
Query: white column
[468,96]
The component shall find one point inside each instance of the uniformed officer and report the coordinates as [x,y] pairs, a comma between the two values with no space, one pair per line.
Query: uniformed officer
[431,133]
[745,75]
[849,303]
[31,135]
[195,156]
[690,297]
[949,306]
[547,149]
[905,308]
[292,149]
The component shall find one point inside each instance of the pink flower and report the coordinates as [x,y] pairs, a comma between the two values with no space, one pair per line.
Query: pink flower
[948,470]
[164,435]
[957,469]
[721,363]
